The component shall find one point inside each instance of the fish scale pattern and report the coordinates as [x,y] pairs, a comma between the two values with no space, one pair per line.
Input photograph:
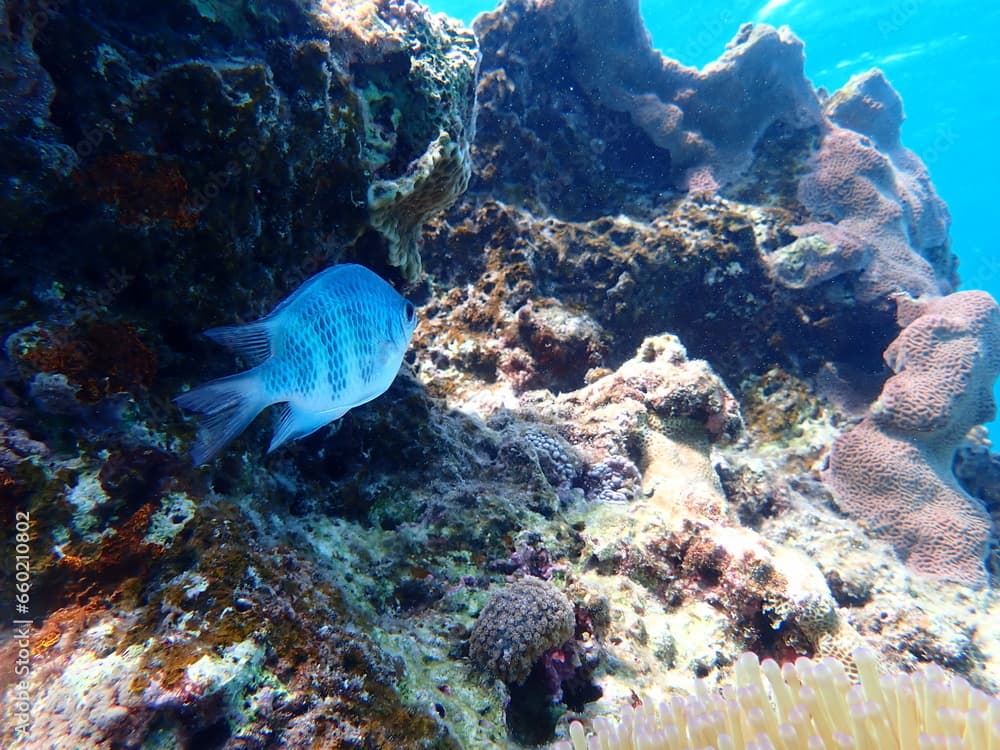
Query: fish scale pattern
[292,372]
[314,339]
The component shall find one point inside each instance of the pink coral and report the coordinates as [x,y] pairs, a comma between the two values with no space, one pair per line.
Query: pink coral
[946,360]
[866,182]
[868,105]
[849,176]
[862,191]
[894,469]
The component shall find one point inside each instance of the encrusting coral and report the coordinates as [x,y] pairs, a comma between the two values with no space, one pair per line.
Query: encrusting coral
[251,159]
[871,201]
[680,109]
[809,704]
[400,208]
[853,191]
[436,111]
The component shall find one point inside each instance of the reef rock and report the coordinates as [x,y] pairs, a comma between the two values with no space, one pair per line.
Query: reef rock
[581,117]
[206,147]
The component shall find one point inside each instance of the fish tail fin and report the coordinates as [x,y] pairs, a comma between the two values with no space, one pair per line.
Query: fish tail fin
[227,406]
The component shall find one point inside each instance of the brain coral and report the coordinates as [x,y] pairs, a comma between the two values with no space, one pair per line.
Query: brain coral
[868,105]
[518,625]
[894,469]
[945,362]
[867,184]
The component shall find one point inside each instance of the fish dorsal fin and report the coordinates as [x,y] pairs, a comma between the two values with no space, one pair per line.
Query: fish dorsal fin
[252,340]
[319,278]
[297,423]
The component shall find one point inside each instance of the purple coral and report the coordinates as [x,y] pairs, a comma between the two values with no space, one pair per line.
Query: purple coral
[614,480]
[894,469]
[945,360]
[863,181]
[854,186]
[870,106]
[557,460]
[849,177]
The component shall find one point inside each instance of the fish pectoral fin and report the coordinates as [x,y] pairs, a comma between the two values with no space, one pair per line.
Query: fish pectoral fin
[295,423]
[387,352]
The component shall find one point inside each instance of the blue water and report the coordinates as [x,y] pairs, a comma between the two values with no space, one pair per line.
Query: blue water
[940,55]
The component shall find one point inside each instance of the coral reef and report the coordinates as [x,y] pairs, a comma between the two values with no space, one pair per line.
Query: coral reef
[894,468]
[857,191]
[820,252]
[201,654]
[649,300]
[695,125]
[441,92]
[96,359]
[699,270]
[400,208]
[747,126]
[227,150]
[873,207]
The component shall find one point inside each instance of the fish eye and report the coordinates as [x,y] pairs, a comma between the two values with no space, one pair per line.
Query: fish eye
[409,312]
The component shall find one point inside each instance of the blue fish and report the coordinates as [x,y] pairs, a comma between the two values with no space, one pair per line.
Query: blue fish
[336,342]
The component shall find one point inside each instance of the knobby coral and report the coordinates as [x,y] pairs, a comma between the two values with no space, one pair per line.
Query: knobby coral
[518,625]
